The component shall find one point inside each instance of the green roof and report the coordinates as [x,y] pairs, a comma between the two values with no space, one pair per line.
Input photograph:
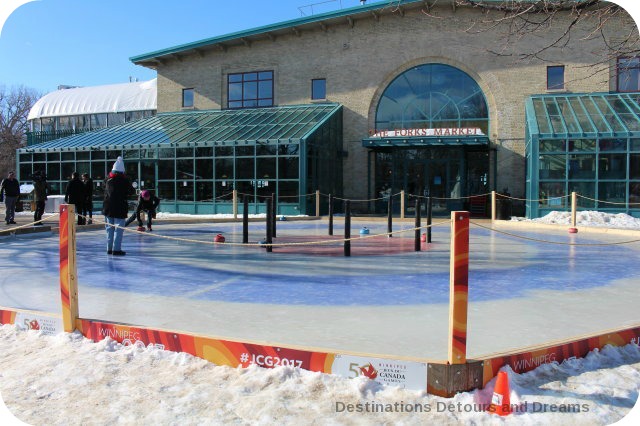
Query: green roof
[584,115]
[258,125]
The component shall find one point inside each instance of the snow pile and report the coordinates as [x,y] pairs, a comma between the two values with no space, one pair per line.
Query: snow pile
[67,379]
[588,218]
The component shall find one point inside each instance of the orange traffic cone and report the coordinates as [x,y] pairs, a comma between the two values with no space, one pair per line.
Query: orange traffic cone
[500,403]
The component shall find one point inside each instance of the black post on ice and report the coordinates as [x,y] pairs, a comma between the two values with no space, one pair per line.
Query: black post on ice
[429,213]
[330,214]
[417,225]
[389,215]
[245,220]
[347,228]
[269,236]
[274,206]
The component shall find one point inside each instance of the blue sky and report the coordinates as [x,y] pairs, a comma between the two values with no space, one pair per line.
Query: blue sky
[46,43]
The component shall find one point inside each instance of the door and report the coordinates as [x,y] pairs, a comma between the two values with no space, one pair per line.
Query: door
[438,178]
[148,175]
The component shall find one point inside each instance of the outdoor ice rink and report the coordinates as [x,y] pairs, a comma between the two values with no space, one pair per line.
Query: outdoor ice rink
[387,301]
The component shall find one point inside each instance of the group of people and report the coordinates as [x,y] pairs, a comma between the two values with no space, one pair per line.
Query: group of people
[80,193]
[115,206]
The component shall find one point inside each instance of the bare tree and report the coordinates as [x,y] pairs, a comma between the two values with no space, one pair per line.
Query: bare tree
[15,104]
[554,24]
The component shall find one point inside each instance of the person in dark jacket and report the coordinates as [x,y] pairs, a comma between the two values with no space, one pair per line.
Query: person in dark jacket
[147,203]
[40,189]
[115,207]
[75,195]
[10,192]
[87,210]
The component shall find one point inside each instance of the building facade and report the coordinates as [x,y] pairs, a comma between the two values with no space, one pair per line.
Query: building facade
[428,104]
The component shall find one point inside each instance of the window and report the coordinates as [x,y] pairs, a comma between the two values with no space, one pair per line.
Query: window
[628,74]
[555,77]
[187,98]
[250,89]
[319,88]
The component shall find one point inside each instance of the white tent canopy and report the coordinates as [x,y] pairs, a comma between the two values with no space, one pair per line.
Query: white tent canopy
[137,96]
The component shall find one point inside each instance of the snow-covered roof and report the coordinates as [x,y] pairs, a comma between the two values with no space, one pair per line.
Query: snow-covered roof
[122,97]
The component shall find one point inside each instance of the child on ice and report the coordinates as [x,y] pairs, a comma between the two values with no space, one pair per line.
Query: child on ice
[147,203]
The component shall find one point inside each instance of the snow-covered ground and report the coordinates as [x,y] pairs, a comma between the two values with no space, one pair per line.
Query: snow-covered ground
[587,218]
[67,379]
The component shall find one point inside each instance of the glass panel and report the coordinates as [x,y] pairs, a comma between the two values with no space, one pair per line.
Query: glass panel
[265,75]
[166,169]
[224,168]
[184,152]
[244,168]
[131,170]
[204,169]
[131,153]
[115,119]
[250,90]
[83,167]
[53,171]
[265,102]
[235,91]
[113,154]
[552,166]
[67,170]
[265,89]
[541,116]
[246,189]
[98,121]
[68,156]
[234,78]
[552,194]
[25,171]
[582,166]
[166,153]
[552,145]
[245,151]
[582,145]
[319,88]
[613,145]
[187,98]
[185,190]
[615,192]
[587,189]
[634,195]
[266,149]
[64,123]
[628,74]
[612,166]
[166,191]
[40,157]
[266,168]
[250,76]
[184,169]
[235,104]
[48,124]
[204,152]
[97,155]
[204,191]
[224,151]
[265,188]
[288,192]
[27,157]
[224,190]
[288,167]
[555,77]
[634,166]
[98,170]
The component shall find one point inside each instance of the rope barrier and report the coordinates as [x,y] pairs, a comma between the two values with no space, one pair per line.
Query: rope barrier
[539,200]
[31,224]
[553,242]
[334,241]
[607,202]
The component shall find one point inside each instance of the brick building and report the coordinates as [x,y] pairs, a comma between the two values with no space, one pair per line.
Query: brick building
[383,97]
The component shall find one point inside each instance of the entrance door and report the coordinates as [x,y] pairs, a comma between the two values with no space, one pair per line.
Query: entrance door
[438,178]
[148,175]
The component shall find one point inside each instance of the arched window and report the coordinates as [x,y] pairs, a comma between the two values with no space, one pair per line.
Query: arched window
[432,96]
